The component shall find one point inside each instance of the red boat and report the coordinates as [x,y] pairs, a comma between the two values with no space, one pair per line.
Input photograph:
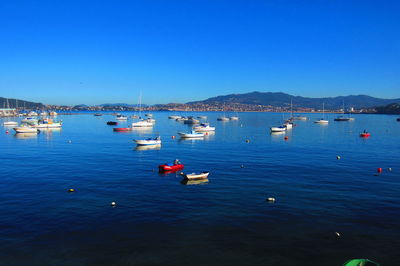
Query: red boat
[170,167]
[122,129]
[365,134]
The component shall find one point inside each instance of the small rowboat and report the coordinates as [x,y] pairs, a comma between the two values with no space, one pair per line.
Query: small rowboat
[170,167]
[365,134]
[195,176]
[122,129]
[112,123]
[192,134]
[149,141]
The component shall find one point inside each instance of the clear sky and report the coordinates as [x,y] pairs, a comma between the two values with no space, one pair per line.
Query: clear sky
[93,52]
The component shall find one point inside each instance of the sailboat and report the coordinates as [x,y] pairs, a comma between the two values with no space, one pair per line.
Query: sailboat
[141,122]
[322,120]
[223,118]
[342,118]
[9,123]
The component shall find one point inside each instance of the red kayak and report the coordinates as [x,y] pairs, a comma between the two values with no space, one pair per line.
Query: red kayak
[122,129]
[365,135]
[170,167]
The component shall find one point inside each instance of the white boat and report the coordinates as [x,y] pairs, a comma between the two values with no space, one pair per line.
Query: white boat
[10,123]
[47,123]
[194,176]
[300,117]
[192,134]
[288,125]
[223,118]
[322,120]
[182,119]
[278,129]
[151,120]
[32,113]
[204,127]
[202,117]
[149,115]
[149,141]
[234,118]
[142,123]
[29,119]
[121,117]
[26,129]
[174,117]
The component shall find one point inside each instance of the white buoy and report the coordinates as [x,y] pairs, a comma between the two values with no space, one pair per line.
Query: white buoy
[338,157]
[113,203]
[337,234]
[390,169]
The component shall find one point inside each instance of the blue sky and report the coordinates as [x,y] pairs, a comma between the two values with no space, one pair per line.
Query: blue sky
[93,52]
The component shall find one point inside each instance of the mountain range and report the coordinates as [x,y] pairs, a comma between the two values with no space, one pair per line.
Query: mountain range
[13,103]
[280,99]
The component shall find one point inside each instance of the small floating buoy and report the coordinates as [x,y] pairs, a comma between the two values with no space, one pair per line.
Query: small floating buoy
[379,170]
[337,234]
[247,140]
[286,137]
[7,132]
[71,190]
[173,137]
[390,169]
[241,166]
[338,157]
[271,199]
[69,141]
[113,203]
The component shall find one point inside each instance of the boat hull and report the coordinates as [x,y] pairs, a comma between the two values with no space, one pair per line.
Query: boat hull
[278,129]
[26,130]
[194,176]
[147,142]
[190,135]
[122,129]
[365,135]
[170,168]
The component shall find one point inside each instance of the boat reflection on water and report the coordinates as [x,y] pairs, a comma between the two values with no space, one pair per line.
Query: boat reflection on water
[26,135]
[194,182]
[147,147]
[141,130]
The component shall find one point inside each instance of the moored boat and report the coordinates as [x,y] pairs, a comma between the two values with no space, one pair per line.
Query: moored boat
[222,118]
[10,123]
[195,176]
[174,116]
[171,167]
[142,123]
[149,141]
[191,121]
[192,134]
[342,119]
[122,129]
[46,123]
[98,114]
[321,121]
[121,117]
[204,127]
[365,134]
[234,118]
[112,123]
[26,129]
[278,129]
[298,117]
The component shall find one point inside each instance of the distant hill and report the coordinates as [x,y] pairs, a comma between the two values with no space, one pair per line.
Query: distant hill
[280,99]
[393,108]
[13,103]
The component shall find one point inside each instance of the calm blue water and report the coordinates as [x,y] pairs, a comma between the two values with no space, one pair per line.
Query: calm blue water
[159,221]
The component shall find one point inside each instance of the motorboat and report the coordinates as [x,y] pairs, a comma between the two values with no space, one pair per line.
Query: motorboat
[10,123]
[223,118]
[191,121]
[149,115]
[234,118]
[204,127]
[46,123]
[112,123]
[202,117]
[122,129]
[26,129]
[278,129]
[365,134]
[142,123]
[29,119]
[171,167]
[174,117]
[181,119]
[192,134]
[98,114]
[321,121]
[195,176]
[121,117]
[288,124]
[298,117]
[342,119]
[149,141]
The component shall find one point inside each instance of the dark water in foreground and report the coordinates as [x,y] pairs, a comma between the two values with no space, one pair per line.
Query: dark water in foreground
[159,221]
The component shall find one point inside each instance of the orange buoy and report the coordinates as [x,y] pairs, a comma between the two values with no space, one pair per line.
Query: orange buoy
[379,170]
[173,137]
[286,138]
[7,132]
